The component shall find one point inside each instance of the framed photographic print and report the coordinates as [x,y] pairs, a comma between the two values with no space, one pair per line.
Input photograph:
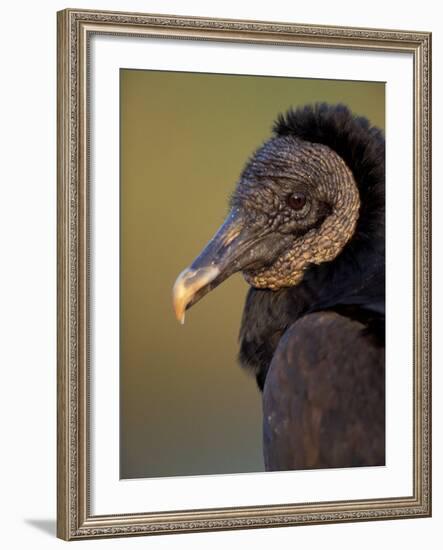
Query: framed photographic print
[269,183]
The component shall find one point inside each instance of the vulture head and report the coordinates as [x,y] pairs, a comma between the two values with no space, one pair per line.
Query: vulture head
[306,229]
[296,205]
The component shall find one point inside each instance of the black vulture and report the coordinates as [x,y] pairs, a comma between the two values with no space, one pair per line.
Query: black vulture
[306,227]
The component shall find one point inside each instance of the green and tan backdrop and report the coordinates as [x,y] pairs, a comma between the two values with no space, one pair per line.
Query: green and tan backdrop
[186,407]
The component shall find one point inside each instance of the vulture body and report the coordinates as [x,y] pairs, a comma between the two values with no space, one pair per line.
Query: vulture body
[307,230]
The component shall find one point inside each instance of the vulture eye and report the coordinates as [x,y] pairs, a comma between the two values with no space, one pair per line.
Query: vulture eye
[297,201]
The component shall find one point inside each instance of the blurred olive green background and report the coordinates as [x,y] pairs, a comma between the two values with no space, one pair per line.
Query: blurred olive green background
[186,405]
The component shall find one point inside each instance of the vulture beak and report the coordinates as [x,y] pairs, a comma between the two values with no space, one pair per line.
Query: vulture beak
[221,257]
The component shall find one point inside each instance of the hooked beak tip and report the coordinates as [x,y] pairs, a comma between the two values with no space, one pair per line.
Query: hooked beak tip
[187,284]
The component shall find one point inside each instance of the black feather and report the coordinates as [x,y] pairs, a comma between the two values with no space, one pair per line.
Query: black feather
[355,281]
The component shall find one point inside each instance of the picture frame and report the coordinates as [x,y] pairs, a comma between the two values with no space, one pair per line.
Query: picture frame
[76,411]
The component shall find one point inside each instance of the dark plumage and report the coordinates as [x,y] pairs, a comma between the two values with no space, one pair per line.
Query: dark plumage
[325,417]
[357,276]
[307,229]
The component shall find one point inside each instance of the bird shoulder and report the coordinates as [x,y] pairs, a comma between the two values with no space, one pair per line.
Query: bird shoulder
[323,399]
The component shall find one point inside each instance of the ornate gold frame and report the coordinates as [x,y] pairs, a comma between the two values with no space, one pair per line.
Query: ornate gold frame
[75,28]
